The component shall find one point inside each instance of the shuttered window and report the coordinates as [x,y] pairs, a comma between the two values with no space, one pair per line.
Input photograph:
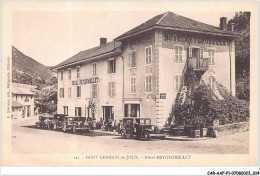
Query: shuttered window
[178,54]
[211,55]
[61,92]
[132,58]
[61,75]
[148,55]
[111,89]
[94,65]
[133,84]
[69,73]
[148,83]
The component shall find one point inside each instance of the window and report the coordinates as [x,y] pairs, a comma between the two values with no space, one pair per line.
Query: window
[69,73]
[133,84]
[148,83]
[132,59]
[177,82]
[111,66]
[211,82]
[211,55]
[78,91]
[178,54]
[78,71]
[111,89]
[78,111]
[94,90]
[66,111]
[132,110]
[69,92]
[61,92]
[61,75]
[148,55]
[94,65]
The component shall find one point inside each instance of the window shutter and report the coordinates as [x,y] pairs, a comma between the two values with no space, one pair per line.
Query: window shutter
[183,55]
[133,59]
[174,54]
[201,53]
[115,65]
[205,54]
[190,52]
[108,66]
[108,90]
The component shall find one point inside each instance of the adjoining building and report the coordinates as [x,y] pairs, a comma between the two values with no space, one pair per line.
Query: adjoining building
[22,100]
[140,73]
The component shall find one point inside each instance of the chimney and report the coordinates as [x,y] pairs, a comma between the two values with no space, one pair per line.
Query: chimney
[103,41]
[223,23]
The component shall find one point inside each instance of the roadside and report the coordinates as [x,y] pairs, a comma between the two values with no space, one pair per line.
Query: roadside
[28,139]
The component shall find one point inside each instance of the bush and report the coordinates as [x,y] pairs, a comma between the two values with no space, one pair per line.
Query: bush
[199,106]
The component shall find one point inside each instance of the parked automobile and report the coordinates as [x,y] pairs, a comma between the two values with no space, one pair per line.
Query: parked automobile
[44,121]
[139,128]
[57,121]
[75,124]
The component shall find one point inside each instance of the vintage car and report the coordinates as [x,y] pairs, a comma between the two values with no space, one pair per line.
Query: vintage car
[44,121]
[57,121]
[139,128]
[75,124]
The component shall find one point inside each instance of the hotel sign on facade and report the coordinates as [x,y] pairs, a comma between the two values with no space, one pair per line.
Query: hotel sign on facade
[85,81]
[190,39]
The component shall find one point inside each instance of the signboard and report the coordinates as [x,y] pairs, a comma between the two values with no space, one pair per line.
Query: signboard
[85,81]
[195,39]
[162,95]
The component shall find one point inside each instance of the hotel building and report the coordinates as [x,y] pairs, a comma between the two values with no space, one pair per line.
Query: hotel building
[140,72]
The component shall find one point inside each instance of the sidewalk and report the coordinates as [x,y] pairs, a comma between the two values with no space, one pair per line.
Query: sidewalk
[185,138]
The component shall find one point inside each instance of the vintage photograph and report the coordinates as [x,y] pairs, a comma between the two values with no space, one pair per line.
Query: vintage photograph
[112,84]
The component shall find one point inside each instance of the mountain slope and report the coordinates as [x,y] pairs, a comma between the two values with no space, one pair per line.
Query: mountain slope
[28,71]
[28,65]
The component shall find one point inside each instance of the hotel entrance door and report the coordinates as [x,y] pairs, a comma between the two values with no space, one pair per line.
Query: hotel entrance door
[108,113]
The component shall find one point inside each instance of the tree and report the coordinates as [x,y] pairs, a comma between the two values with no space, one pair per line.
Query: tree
[241,23]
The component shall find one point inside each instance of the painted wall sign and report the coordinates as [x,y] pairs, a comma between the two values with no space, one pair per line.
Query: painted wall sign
[162,95]
[195,39]
[85,81]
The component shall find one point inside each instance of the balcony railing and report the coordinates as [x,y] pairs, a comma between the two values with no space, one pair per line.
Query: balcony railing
[199,64]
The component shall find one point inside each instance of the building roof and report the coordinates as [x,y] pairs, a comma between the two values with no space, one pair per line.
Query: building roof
[16,104]
[173,21]
[24,85]
[90,53]
[21,91]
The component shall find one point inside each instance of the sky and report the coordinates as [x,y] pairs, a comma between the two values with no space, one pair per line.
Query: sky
[51,37]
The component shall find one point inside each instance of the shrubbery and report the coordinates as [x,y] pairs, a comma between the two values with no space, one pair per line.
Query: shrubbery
[199,105]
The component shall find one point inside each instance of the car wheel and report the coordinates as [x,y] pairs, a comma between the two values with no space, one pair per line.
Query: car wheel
[147,136]
[37,125]
[54,126]
[123,134]
[64,127]
[74,129]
